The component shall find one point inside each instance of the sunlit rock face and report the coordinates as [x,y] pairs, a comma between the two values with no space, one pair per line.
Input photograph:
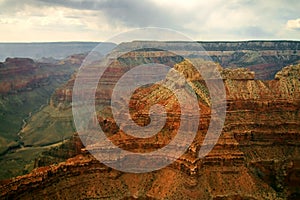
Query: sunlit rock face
[256,156]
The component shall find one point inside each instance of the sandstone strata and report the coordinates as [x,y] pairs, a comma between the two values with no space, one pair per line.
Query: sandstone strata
[256,156]
[22,74]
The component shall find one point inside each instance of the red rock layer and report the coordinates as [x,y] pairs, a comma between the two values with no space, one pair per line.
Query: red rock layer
[256,156]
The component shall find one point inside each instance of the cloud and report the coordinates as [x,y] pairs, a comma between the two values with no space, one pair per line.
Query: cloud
[201,20]
[131,13]
[293,24]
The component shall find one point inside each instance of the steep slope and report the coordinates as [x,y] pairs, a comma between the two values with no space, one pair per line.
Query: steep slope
[256,156]
[265,58]
[25,89]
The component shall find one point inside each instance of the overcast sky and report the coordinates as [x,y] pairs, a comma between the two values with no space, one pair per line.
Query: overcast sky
[98,20]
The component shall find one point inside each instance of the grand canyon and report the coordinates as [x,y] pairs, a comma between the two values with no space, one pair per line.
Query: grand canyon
[257,155]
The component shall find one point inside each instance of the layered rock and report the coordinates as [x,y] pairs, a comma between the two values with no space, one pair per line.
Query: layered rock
[25,89]
[263,117]
[256,156]
[265,58]
[10,68]
[91,179]
[22,74]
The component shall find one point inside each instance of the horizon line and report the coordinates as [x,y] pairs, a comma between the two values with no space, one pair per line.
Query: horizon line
[78,41]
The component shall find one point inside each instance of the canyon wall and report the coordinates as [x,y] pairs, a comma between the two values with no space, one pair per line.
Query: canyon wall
[256,156]
[25,89]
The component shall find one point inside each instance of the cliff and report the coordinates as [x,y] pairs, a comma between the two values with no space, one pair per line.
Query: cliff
[26,87]
[10,68]
[265,58]
[23,74]
[256,156]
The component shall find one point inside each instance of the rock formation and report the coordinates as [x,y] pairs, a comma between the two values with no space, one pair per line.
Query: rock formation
[25,89]
[22,74]
[256,156]
[265,58]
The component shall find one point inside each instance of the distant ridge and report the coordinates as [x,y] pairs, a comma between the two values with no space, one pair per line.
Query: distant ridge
[59,50]
[56,50]
[264,57]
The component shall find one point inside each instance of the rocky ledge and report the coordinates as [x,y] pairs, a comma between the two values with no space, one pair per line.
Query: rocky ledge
[256,157]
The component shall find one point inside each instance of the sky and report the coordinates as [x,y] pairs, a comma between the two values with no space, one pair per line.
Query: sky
[98,20]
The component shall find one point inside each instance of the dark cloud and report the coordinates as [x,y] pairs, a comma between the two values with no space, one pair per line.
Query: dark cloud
[132,13]
[221,18]
[12,6]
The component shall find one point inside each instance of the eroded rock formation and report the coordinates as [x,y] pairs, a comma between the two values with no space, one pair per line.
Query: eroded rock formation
[256,156]
[25,89]
[21,74]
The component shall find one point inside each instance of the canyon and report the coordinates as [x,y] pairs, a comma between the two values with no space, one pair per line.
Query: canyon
[265,58]
[25,89]
[256,156]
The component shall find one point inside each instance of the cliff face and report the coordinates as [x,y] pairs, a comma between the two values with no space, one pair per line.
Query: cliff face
[23,74]
[265,58]
[91,179]
[25,89]
[256,156]
[10,68]
[263,117]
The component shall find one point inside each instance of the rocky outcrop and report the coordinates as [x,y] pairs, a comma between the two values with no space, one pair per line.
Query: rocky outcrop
[25,89]
[23,74]
[290,72]
[10,68]
[238,74]
[68,149]
[265,58]
[256,156]
[84,177]
[263,117]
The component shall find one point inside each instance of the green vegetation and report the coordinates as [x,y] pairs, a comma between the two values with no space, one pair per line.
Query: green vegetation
[28,124]
[16,107]
[45,129]
[48,126]
[19,162]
